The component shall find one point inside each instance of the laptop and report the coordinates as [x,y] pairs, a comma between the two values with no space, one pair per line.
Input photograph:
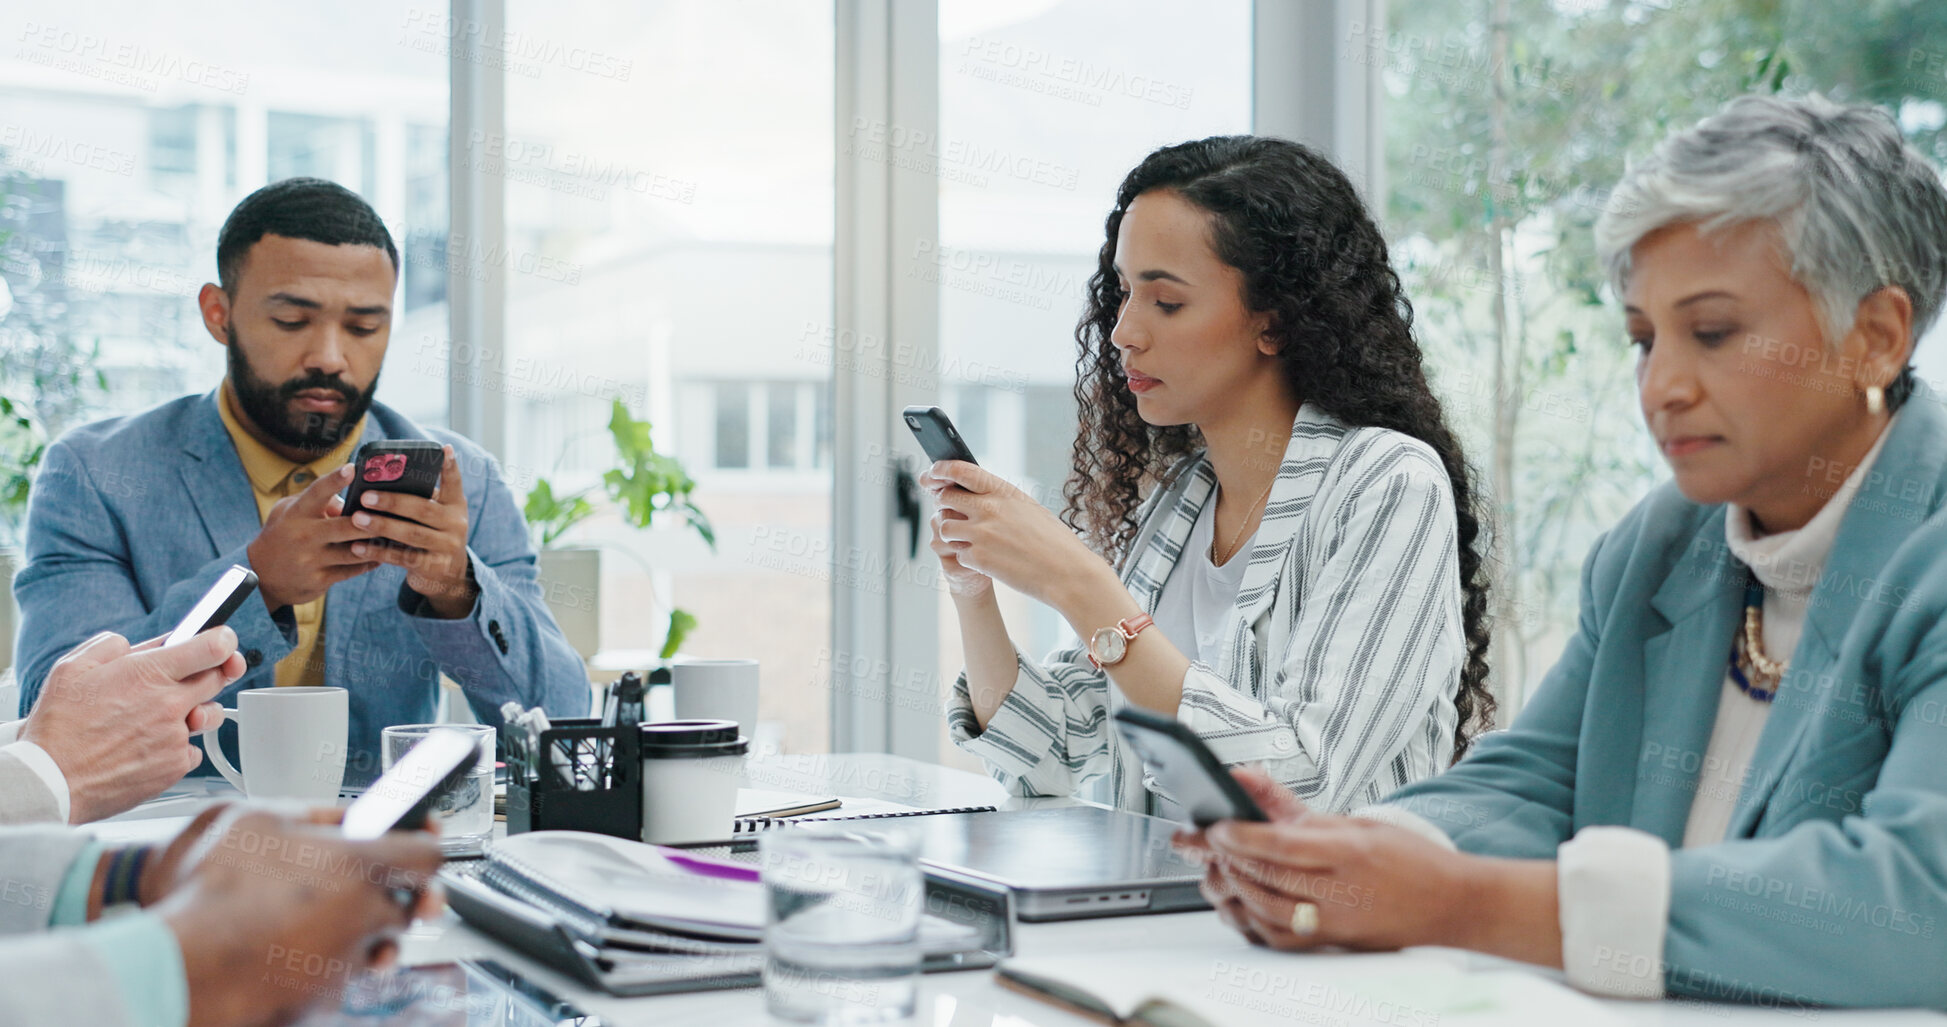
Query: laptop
[1066,862]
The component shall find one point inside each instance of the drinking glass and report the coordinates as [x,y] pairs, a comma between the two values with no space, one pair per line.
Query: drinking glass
[841,932]
[466,816]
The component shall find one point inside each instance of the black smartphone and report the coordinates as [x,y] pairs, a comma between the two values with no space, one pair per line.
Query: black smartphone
[1186,768]
[403,796]
[217,604]
[937,436]
[397,465]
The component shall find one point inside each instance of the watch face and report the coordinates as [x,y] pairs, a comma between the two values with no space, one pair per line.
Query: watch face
[1109,646]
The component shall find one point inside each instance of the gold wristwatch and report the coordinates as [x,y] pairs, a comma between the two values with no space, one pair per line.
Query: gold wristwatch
[1109,645]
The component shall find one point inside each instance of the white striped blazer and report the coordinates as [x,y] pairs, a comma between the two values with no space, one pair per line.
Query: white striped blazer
[1341,659]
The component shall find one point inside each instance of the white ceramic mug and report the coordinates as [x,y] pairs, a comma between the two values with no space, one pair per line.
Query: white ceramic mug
[716,690]
[291,742]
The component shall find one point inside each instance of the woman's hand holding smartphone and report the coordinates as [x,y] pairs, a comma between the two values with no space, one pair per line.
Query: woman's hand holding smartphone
[942,441]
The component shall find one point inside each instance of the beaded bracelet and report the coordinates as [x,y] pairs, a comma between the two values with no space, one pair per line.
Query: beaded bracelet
[124,878]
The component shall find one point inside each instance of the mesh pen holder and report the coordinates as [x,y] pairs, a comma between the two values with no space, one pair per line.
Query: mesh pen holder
[584,777]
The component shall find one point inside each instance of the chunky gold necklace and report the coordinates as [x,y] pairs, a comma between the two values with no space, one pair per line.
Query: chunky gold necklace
[1756,674]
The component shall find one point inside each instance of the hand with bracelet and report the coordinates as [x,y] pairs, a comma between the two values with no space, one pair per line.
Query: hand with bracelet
[240,885]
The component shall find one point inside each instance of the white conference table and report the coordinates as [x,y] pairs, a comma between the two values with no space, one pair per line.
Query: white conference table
[972,998]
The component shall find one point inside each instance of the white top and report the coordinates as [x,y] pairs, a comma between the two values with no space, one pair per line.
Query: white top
[1198,595]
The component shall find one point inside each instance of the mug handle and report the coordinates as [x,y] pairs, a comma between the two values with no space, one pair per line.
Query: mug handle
[215,751]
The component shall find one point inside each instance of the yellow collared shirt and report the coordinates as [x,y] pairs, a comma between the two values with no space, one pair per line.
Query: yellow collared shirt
[272,479]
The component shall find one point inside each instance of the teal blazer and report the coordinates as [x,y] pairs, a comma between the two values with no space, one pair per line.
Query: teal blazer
[1831,885]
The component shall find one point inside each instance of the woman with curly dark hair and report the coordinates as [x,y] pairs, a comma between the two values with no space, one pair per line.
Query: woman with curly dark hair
[1274,537]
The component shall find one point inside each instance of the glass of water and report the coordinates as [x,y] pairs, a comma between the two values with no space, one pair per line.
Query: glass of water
[841,932]
[465,817]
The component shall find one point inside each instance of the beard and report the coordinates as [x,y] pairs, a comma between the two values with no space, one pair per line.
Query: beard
[269,406]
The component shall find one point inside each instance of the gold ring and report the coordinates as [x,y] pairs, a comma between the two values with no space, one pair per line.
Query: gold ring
[1304,918]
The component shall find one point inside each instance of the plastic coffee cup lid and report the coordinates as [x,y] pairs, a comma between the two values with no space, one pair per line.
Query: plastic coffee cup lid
[691,739]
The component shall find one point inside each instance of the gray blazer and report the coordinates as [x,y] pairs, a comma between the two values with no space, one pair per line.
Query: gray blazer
[1831,884]
[50,978]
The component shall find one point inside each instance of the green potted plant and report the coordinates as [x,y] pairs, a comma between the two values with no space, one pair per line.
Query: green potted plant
[642,484]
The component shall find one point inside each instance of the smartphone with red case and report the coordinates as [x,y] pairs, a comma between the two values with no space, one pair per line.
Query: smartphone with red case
[396,465]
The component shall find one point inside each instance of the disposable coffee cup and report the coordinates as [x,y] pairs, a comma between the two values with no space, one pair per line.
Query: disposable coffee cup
[690,770]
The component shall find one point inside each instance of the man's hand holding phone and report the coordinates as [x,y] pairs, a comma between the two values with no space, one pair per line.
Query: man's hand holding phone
[427,537]
[117,719]
[254,889]
[305,547]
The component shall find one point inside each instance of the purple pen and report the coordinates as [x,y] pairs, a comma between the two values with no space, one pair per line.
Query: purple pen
[711,867]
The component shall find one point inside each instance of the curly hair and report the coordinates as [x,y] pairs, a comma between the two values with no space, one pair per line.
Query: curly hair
[1314,260]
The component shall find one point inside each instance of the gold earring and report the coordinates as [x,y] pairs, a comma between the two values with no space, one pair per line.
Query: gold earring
[1875,400]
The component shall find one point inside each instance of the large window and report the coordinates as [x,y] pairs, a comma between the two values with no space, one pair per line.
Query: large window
[128,131]
[668,179]
[1507,121]
[1044,107]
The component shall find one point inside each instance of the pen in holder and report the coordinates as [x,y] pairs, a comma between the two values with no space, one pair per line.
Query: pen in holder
[575,775]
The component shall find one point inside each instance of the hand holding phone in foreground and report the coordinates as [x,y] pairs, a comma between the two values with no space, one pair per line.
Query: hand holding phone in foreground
[273,914]
[117,719]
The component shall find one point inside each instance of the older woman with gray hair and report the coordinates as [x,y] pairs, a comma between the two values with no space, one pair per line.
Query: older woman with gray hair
[1734,783]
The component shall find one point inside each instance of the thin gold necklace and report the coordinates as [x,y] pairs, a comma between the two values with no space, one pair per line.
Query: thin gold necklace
[1231,550]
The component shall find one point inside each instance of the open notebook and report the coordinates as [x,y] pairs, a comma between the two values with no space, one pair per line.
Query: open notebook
[1246,986]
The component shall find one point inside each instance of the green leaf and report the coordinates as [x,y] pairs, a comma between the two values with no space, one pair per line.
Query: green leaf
[646,482]
[681,623]
[698,520]
[549,516]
